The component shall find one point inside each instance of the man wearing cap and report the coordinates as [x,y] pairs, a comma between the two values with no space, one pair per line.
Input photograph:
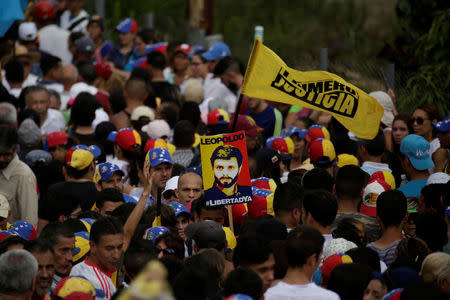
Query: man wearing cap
[266,116]
[95,29]
[253,132]
[79,170]
[37,98]
[108,175]
[443,129]
[17,181]
[121,54]
[74,18]
[84,50]
[52,38]
[415,159]
[28,35]
[226,162]
[322,155]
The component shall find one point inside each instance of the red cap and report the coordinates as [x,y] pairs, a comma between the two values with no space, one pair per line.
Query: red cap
[321,151]
[57,138]
[317,132]
[155,143]
[44,11]
[239,212]
[185,48]
[128,139]
[103,70]
[247,123]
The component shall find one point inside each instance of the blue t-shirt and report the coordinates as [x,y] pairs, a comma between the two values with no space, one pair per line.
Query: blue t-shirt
[413,188]
[265,120]
[120,60]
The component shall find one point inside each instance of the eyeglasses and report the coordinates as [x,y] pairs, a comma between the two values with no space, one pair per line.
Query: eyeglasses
[419,120]
[166,251]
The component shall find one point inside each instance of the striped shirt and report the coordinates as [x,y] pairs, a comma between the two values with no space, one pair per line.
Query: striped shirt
[104,287]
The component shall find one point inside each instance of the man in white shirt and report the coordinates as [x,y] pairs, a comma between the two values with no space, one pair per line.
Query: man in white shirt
[303,250]
[74,18]
[106,243]
[37,98]
[52,38]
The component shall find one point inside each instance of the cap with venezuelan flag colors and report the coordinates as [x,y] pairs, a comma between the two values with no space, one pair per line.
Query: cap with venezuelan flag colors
[321,151]
[105,170]
[385,176]
[81,246]
[69,285]
[157,156]
[317,132]
[291,130]
[126,138]
[370,195]
[283,144]
[218,116]
[345,159]
[155,143]
[262,203]
[81,156]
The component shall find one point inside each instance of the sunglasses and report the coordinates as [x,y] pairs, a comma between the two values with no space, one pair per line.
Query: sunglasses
[167,251]
[419,120]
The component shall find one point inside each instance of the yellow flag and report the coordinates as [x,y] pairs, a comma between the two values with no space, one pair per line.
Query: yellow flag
[268,77]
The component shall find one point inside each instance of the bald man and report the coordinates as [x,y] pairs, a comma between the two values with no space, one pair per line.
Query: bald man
[69,78]
[136,92]
[190,187]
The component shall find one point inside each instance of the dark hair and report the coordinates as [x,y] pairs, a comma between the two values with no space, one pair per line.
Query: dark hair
[138,254]
[11,240]
[431,111]
[174,242]
[347,229]
[193,282]
[101,136]
[229,64]
[168,218]
[148,35]
[316,179]
[57,208]
[322,206]
[110,194]
[191,112]
[376,146]
[349,281]
[123,211]
[407,119]
[75,35]
[86,70]
[157,60]
[169,112]
[350,181]
[243,281]
[413,251]
[287,197]
[200,203]
[183,134]
[28,113]
[14,71]
[173,266]
[83,110]
[365,256]
[48,62]
[391,207]
[39,246]
[117,102]
[53,231]
[104,226]
[75,173]
[432,195]
[226,152]
[199,54]
[251,248]
[302,242]
[8,137]
[422,290]
[432,228]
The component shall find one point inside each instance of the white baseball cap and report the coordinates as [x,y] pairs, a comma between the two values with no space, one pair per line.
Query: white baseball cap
[171,184]
[28,31]
[4,206]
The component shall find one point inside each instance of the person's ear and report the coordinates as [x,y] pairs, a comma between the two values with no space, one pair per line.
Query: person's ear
[62,218]
[296,214]
[405,218]
[196,217]
[177,193]
[98,186]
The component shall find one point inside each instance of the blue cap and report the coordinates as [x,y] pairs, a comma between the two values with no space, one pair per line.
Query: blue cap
[153,233]
[218,50]
[127,25]
[105,170]
[161,47]
[196,49]
[443,126]
[179,208]
[417,149]
[291,130]
[157,156]
[23,229]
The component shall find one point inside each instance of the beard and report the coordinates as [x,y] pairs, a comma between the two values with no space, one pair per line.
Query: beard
[226,185]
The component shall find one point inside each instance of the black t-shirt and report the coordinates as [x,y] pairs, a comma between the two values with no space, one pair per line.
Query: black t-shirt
[166,91]
[63,197]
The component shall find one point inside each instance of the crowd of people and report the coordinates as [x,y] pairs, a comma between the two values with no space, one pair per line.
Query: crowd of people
[102,194]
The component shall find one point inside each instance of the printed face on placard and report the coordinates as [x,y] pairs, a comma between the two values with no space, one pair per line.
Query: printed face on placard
[226,171]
